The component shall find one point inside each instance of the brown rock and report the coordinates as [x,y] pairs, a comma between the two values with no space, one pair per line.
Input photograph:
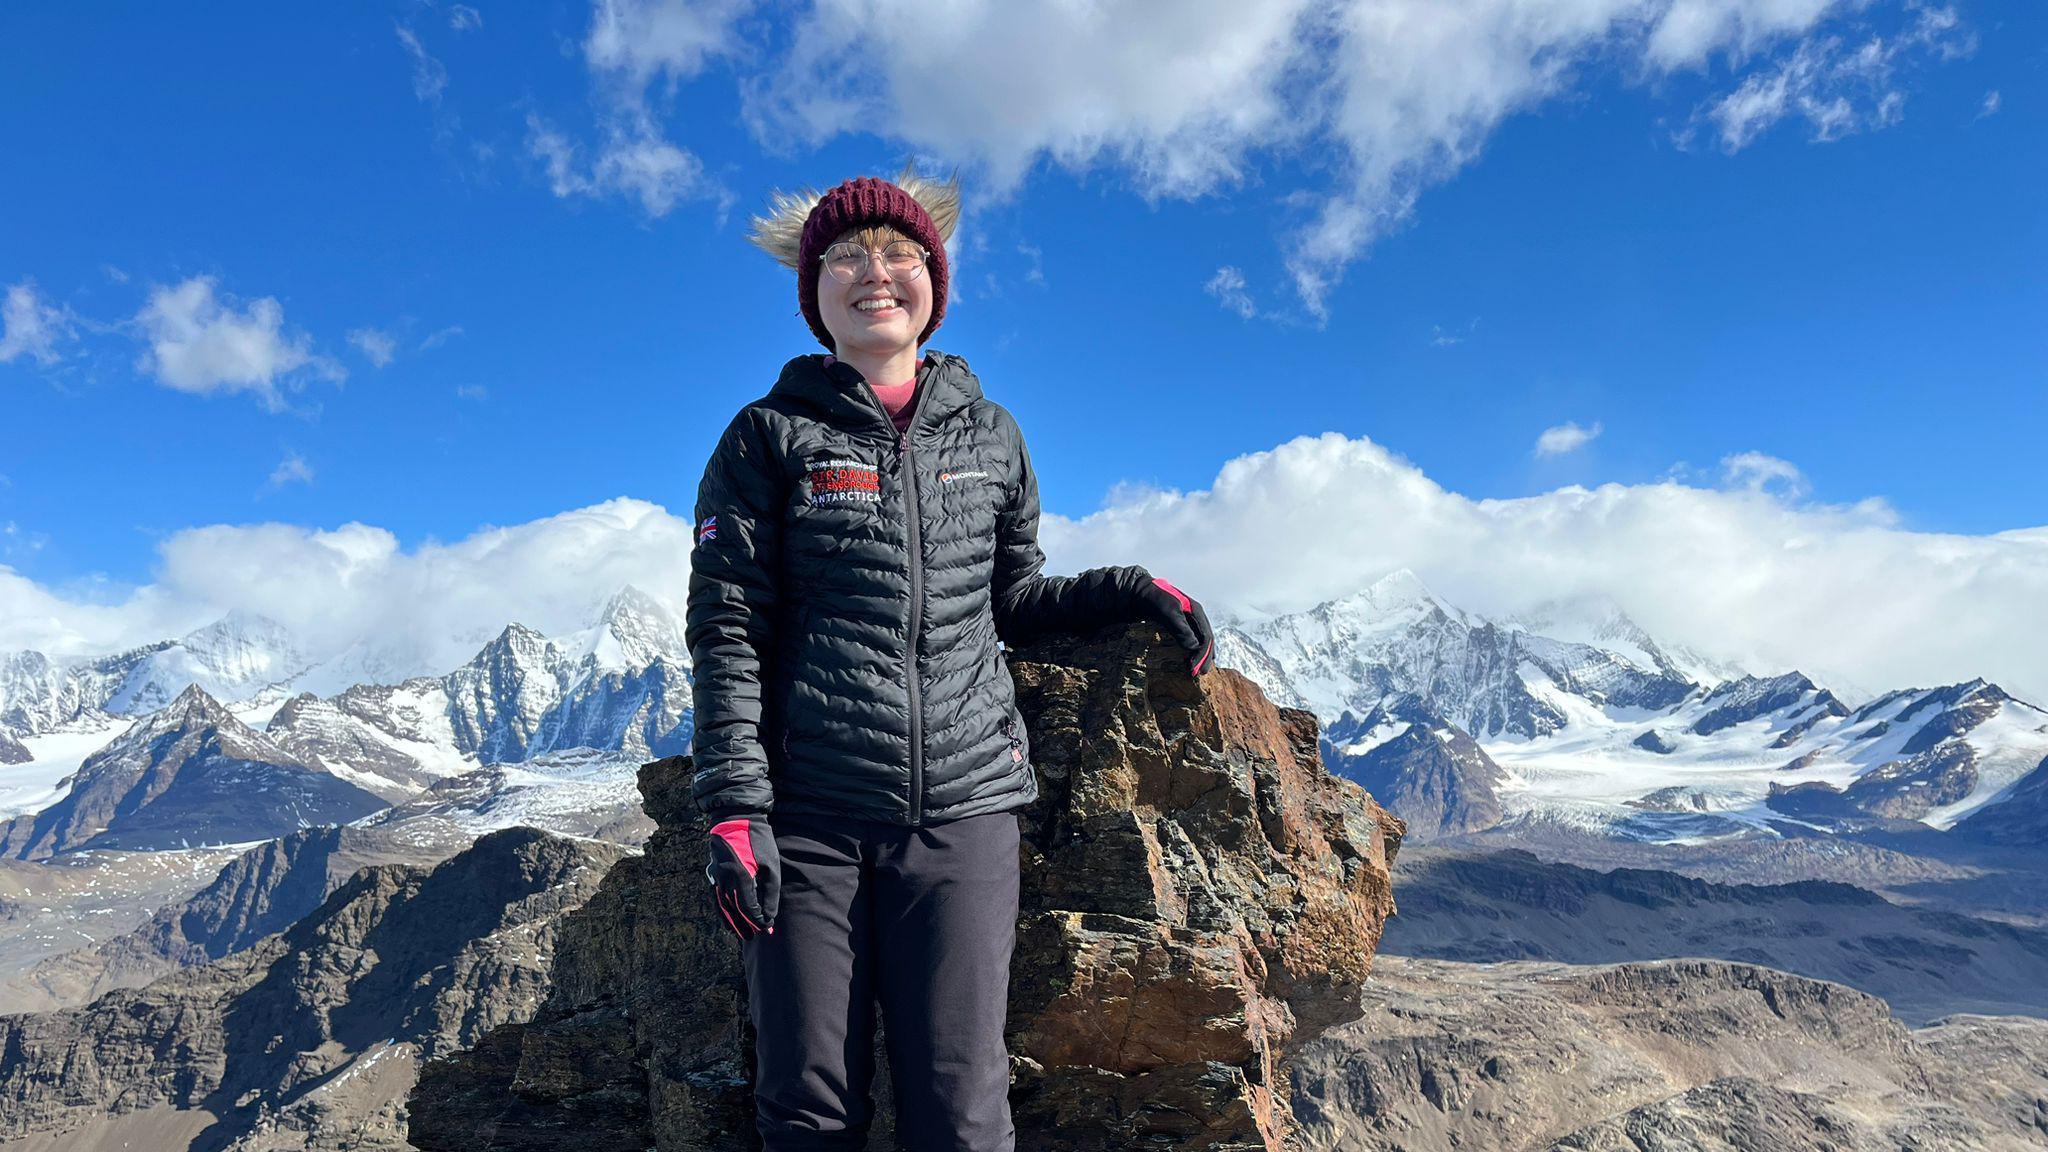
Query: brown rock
[1200,897]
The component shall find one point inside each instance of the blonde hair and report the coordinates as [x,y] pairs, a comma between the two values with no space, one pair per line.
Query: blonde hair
[780,233]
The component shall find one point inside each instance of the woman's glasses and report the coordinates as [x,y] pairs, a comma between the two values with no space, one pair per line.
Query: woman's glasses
[848,262]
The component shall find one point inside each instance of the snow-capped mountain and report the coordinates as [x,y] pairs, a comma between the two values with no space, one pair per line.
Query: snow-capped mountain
[1397,637]
[188,774]
[622,684]
[1620,740]
[233,659]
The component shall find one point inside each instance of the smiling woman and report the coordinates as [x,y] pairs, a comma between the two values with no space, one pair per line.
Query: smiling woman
[868,540]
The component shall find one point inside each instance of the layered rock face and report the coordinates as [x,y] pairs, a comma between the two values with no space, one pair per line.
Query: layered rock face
[1698,1055]
[307,1038]
[1200,898]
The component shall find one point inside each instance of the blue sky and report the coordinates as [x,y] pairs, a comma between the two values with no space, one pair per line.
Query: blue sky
[1777,247]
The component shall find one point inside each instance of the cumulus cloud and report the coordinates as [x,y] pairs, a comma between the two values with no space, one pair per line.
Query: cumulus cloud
[1390,96]
[1179,99]
[1567,437]
[31,326]
[1746,570]
[376,345]
[430,606]
[203,343]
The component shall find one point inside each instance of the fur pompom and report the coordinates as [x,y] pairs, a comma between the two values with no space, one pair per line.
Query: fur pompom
[780,233]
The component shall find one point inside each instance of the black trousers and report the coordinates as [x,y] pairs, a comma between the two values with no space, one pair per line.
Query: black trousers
[923,920]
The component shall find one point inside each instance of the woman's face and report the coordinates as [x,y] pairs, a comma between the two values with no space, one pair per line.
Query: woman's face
[877,314]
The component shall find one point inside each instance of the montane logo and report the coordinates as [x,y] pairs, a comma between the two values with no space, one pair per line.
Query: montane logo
[844,482]
[950,476]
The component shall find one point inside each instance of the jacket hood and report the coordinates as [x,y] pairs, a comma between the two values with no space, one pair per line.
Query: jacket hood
[835,392]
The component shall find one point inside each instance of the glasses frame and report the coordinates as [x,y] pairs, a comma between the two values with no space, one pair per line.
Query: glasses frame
[867,256]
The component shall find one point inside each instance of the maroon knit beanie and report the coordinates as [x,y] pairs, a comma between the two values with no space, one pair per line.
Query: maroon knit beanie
[859,203]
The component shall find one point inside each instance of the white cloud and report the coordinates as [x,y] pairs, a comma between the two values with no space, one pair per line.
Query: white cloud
[376,345]
[634,161]
[640,40]
[429,77]
[439,337]
[1227,286]
[1567,437]
[1992,102]
[1178,98]
[472,392]
[202,344]
[1442,337]
[463,18]
[333,587]
[632,45]
[1739,571]
[1388,97]
[293,469]
[1756,472]
[32,327]
[1839,88]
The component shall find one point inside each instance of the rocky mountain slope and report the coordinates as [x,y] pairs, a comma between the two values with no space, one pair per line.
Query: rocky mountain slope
[1427,771]
[309,1038]
[1191,876]
[264,890]
[1508,905]
[1699,1055]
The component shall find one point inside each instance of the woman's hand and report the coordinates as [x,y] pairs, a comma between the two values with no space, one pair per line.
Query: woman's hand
[1183,620]
[746,874]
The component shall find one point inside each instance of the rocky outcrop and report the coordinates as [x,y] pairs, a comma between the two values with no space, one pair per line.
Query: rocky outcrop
[1200,898]
[13,751]
[307,1039]
[1675,1054]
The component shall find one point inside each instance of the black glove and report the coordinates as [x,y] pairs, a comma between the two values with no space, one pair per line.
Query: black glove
[1183,620]
[746,874]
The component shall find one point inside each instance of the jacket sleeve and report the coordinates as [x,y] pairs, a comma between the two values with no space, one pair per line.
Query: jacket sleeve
[735,567]
[1028,603]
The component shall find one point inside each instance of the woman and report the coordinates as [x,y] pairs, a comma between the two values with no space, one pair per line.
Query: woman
[866,538]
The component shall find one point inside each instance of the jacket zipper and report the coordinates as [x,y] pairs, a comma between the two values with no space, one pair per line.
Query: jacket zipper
[907,475]
[916,620]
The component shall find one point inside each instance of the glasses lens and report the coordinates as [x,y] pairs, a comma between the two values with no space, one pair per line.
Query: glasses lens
[903,259]
[846,262]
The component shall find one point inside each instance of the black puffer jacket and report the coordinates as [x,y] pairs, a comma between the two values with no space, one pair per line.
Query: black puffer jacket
[846,652]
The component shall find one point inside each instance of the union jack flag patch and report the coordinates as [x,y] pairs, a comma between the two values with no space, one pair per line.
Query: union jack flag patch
[707,529]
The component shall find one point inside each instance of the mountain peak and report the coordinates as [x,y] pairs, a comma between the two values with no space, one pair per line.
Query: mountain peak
[192,704]
[1399,594]
[633,631]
